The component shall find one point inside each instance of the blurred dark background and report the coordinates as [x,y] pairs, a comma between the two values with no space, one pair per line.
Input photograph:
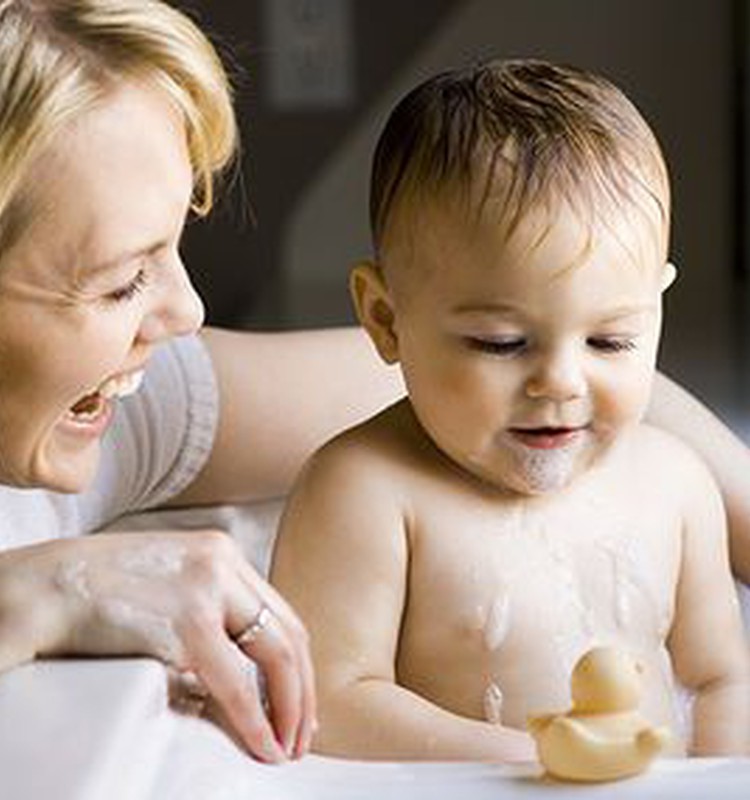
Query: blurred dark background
[315,78]
[236,255]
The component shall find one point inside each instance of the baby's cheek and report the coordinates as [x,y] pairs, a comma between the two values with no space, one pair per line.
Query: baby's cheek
[627,404]
[623,400]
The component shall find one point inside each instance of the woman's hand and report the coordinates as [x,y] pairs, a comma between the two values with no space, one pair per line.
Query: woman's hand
[183,597]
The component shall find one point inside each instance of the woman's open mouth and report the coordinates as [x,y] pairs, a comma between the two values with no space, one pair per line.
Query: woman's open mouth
[92,412]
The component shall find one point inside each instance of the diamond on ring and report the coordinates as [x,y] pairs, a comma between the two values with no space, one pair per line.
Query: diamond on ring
[259,623]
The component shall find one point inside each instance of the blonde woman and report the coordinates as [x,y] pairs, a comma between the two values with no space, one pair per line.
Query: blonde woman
[115,119]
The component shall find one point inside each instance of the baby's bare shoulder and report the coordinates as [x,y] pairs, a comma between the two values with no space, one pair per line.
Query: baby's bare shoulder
[384,448]
[664,459]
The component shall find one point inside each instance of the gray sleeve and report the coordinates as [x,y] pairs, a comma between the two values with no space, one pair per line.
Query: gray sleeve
[160,437]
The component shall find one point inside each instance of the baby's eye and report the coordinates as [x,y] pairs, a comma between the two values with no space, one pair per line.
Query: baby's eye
[611,344]
[129,290]
[504,346]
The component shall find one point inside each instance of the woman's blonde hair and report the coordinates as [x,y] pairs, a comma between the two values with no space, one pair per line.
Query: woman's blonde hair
[59,58]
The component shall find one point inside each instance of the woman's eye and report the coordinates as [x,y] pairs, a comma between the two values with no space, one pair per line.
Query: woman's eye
[611,344]
[498,347]
[129,290]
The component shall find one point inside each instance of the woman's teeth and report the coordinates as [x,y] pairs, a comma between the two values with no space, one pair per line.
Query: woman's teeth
[121,386]
[90,406]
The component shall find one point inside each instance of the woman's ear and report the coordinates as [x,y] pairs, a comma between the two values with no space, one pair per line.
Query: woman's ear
[374,307]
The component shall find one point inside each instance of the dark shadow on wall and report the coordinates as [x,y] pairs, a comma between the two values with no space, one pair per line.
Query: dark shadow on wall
[234,254]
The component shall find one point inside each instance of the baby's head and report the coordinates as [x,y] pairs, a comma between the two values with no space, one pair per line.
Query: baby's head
[520,216]
[508,138]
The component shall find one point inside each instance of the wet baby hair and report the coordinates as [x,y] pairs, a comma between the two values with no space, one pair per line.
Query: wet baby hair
[525,133]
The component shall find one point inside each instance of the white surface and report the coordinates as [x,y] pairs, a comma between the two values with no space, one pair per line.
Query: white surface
[90,730]
[82,730]
[201,763]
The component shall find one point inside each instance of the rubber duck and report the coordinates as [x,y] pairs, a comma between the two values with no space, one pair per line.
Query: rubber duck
[603,737]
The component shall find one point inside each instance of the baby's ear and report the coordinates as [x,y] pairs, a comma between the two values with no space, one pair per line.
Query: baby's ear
[669,275]
[374,307]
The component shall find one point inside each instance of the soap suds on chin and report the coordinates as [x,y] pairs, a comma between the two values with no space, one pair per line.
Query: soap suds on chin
[547,470]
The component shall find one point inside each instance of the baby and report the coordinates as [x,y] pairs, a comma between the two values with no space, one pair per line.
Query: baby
[456,554]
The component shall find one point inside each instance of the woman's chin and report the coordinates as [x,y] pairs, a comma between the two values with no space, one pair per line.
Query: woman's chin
[65,470]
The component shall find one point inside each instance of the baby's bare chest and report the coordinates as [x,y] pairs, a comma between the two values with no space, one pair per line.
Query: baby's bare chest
[516,597]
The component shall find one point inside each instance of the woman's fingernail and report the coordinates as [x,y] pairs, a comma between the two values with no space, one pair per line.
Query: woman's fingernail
[272,750]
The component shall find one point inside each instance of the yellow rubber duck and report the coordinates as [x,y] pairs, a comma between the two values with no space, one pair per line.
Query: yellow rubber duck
[603,737]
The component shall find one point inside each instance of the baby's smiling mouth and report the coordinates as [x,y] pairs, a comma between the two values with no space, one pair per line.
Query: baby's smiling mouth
[547,437]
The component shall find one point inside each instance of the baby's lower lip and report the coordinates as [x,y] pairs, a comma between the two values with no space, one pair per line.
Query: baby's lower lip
[545,438]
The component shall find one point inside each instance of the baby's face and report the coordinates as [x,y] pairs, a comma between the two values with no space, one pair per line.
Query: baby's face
[526,358]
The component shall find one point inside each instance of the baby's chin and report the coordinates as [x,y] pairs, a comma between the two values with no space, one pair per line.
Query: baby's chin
[532,471]
[546,474]
[538,485]
[540,472]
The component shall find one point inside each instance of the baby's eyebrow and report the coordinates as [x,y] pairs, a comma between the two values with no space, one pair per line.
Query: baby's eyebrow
[485,308]
[505,309]
[621,312]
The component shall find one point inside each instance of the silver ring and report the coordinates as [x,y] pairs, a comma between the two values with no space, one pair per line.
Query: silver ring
[258,624]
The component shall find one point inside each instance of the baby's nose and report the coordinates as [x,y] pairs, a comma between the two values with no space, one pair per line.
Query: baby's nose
[557,376]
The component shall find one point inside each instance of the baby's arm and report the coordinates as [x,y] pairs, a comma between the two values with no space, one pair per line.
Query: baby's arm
[707,640]
[675,410]
[342,560]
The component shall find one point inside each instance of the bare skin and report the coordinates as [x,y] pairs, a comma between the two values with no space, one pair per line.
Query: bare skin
[453,590]
[675,410]
[454,557]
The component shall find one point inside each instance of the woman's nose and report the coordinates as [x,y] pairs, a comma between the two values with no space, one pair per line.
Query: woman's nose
[557,376]
[177,308]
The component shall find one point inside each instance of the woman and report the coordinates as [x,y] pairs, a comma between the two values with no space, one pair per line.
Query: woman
[115,118]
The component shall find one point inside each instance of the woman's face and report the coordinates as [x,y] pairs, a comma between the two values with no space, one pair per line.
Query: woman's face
[92,285]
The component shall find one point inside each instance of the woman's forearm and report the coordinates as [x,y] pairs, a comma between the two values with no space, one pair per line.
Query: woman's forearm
[675,410]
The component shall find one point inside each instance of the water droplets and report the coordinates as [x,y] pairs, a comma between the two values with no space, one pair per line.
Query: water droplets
[498,622]
[493,704]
